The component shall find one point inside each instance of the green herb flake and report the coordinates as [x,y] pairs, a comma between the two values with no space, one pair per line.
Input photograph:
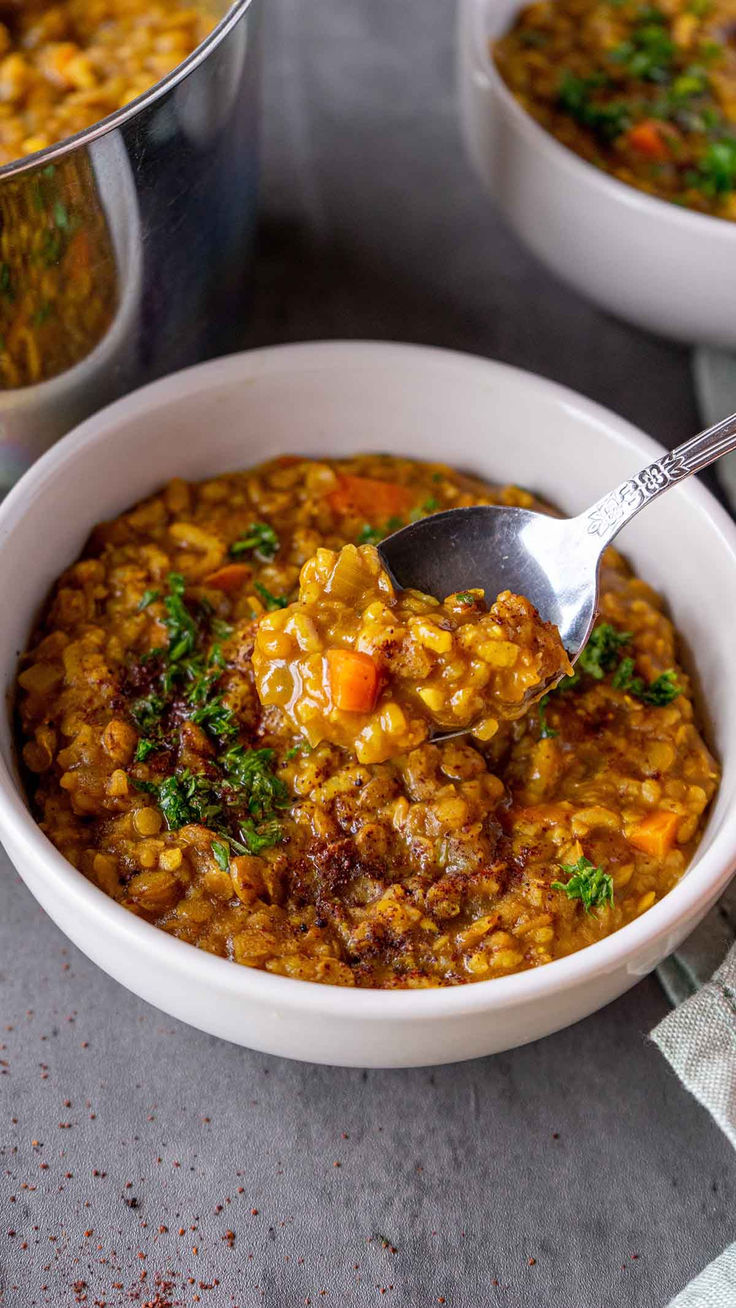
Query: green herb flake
[263,836]
[189,798]
[179,623]
[251,772]
[649,52]
[146,787]
[217,719]
[590,884]
[575,97]
[144,748]
[270,600]
[716,171]
[221,854]
[369,535]
[221,630]
[148,597]
[261,539]
[301,747]
[655,693]
[601,653]
[146,712]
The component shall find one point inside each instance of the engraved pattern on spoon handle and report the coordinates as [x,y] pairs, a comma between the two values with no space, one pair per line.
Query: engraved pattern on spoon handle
[608,515]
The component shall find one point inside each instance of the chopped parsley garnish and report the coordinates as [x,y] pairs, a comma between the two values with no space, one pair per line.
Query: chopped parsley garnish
[221,854]
[270,600]
[601,653]
[369,535]
[220,630]
[590,884]
[217,719]
[250,771]
[258,838]
[716,170]
[204,674]
[374,535]
[148,597]
[465,597]
[144,748]
[301,747]
[261,539]
[188,798]
[146,712]
[648,53]
[239,797]
[601,656]
[179,623]
[657,693]
[575,96]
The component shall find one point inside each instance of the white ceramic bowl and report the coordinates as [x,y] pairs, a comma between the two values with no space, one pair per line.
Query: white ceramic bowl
[665,268]
[330,399]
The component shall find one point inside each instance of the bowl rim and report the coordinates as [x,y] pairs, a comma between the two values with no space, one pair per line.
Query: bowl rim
[706,877]
[578,168]
[119,117]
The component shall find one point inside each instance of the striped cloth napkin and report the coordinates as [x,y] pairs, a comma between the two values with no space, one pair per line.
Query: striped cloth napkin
[699,1036]
[699,1039]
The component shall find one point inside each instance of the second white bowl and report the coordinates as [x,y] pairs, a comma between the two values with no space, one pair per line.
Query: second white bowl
[662,267]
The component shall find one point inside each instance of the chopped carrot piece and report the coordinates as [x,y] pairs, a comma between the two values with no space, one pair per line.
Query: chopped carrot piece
[229,578]
[647,138]
[367,497]
[656,833]
[354,680]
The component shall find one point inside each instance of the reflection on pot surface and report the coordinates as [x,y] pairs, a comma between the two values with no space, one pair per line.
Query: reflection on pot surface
[124,252]
[58,284]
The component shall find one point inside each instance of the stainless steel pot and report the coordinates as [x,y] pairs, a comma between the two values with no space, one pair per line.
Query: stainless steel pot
[140,230]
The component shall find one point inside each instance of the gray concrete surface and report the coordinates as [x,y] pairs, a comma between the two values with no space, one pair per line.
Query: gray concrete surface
[136,1151]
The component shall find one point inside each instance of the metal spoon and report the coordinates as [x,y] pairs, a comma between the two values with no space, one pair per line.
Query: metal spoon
[554,562]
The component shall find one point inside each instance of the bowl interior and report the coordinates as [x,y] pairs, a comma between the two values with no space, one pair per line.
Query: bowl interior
[336,398]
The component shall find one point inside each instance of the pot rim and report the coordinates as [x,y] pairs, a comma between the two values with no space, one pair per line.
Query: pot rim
[120,117]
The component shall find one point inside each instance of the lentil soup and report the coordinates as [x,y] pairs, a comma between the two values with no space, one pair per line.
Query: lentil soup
[156,770]
[645,91]
[66,65]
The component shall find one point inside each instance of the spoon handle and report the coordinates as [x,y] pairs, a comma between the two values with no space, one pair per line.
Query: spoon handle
[607,516]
